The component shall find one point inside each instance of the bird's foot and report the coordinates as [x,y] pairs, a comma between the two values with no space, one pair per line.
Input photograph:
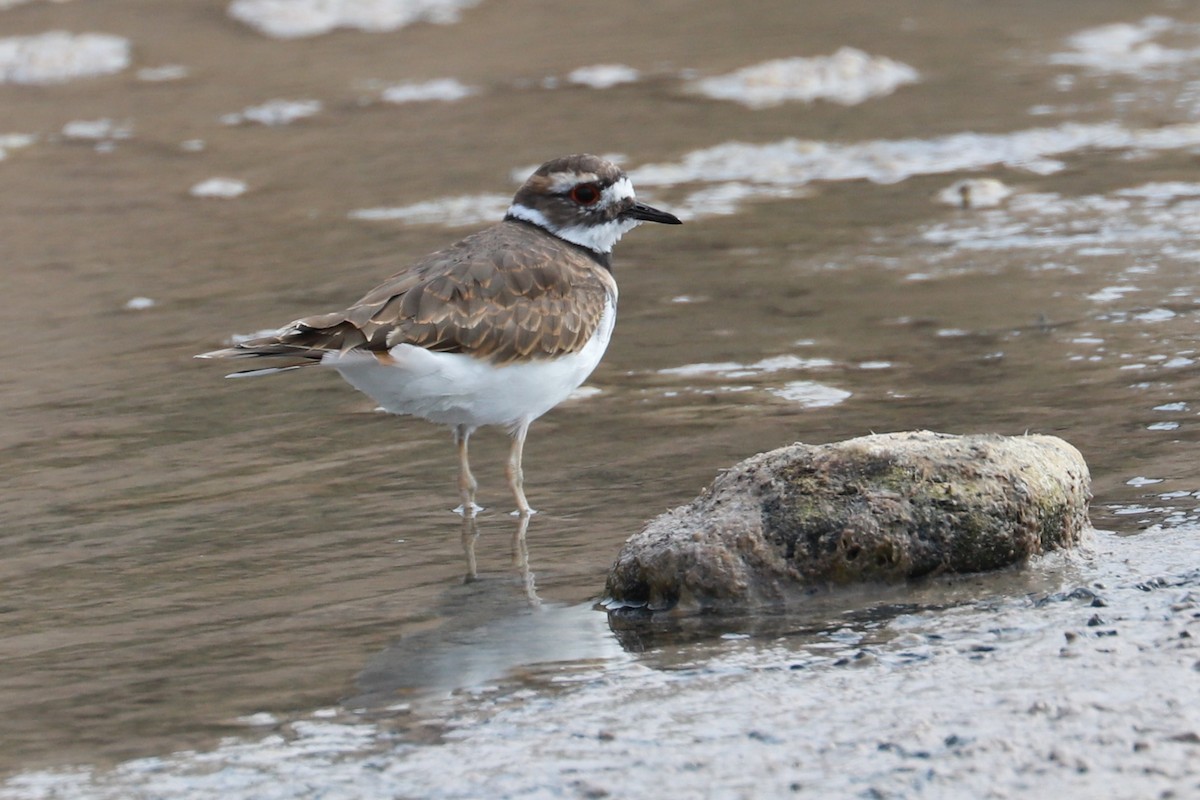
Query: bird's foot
[529,512]
[462,510]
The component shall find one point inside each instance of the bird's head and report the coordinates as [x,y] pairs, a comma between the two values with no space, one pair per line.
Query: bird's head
[583,199]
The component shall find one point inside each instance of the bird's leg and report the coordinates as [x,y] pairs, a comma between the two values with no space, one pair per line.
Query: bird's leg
[516,478]
[466,481]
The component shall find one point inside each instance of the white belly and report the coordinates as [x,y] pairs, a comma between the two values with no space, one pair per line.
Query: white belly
[456,389]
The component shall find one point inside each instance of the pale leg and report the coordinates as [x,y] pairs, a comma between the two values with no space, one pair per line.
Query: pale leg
[516,478]
[466,481]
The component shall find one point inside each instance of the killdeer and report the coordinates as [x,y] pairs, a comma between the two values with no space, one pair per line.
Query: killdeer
[496,329]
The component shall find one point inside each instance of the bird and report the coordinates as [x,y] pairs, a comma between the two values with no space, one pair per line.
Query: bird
[495,329]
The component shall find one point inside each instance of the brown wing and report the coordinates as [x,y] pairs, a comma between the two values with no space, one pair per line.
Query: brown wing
[507,292]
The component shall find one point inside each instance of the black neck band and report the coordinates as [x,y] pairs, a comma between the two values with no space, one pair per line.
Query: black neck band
[603,259]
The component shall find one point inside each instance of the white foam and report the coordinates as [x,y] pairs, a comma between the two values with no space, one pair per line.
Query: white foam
[724,199]
[848,77]
[1128,48]
[446,90]
[14,141]
[97,129]
[778,363]
[223,188]
[735,369]
[811,394]
[1155,315]
[453,212]
[1140,227]
[293,19]
[274,112]
[59,56]
[1161,193]
[1110,293]
[1142,481]
[691,370]
[167,72]
[260,720]
[733,173]
[800,161]
[139,303]
[604,76]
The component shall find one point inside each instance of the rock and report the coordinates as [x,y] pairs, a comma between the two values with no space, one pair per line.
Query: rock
[974,193]
[885,507]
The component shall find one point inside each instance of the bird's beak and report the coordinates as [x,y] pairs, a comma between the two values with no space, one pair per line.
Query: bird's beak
[645,213]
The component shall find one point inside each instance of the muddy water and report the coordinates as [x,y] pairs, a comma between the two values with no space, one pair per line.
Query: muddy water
[182,552]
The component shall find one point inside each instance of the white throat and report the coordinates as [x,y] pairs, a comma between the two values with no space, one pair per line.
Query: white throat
[598,238]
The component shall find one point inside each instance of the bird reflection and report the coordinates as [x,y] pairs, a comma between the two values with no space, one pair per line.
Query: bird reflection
[520,554]
[484,634]
[470,532]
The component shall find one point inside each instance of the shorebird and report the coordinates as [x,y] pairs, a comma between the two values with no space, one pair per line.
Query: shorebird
[496,329]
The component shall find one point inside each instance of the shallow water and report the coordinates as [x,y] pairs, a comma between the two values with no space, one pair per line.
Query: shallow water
[188,558]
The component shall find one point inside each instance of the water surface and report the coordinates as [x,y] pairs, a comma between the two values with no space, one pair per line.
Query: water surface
[188,558]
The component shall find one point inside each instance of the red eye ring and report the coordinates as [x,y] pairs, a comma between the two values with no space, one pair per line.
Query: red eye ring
[586,194]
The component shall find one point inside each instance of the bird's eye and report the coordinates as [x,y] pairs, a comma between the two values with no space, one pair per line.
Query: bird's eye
[585,194]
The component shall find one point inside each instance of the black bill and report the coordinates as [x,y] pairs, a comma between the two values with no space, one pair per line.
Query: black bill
[650,214]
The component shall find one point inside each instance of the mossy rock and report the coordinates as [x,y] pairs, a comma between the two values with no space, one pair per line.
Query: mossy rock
[885,507]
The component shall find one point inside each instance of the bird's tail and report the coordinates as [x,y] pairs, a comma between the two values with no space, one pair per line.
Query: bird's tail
[302,344]
[288,356]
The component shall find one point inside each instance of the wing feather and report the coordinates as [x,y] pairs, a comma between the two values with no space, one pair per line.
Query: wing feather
[505,293]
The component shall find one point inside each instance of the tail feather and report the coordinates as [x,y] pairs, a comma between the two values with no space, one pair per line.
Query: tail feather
[254,373]
[272,348]
[302,344]
[256,349]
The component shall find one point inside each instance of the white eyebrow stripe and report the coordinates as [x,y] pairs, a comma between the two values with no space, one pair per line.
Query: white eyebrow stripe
[563,181]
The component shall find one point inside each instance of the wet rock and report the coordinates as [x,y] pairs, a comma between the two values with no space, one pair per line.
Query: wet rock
[974,193]
[884,507]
